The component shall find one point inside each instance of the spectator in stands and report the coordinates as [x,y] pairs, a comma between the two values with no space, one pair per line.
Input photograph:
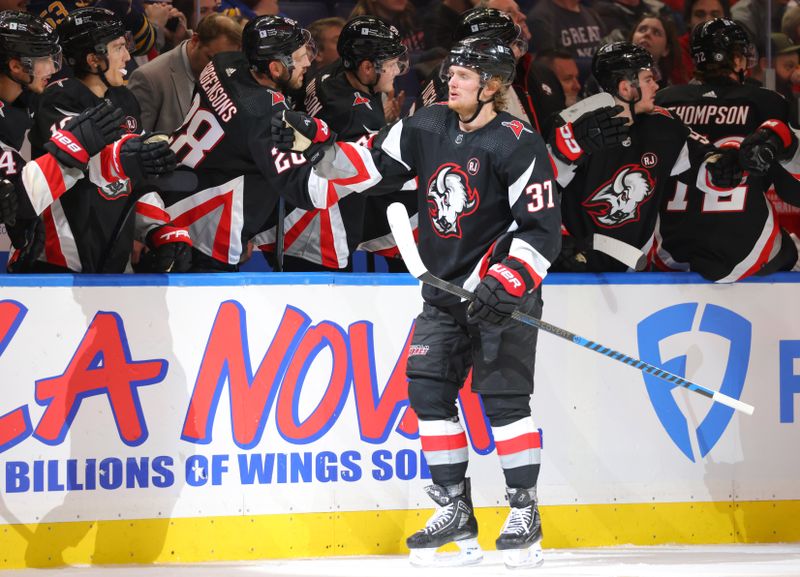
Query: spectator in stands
[325,34]
[567,25]
[169,23]
[753,16]
[164,86]
[399,13]
[658,36]
[620,16]
[511,8]
[206,7]
[790,25]
[439,20]
[786,62]
[696,12]
[566,70]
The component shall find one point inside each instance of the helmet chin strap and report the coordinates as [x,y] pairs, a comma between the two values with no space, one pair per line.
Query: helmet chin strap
[102,73]
[481,104]
[632,101]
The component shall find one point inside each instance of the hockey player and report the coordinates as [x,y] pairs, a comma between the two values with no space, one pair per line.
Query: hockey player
[537,94]
[348,97]
[91,230]
[226,140]
[490,222]
[729,235]
[610,200]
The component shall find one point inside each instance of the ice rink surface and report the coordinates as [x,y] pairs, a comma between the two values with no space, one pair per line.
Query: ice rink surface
[666,561]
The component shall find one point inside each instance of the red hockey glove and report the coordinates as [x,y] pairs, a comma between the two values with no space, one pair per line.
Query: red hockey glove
[170,250]
[85,135]
[146,158]
[501,290]
[593,131]
[772,141]
[8,202]
[301,133]
[723,166]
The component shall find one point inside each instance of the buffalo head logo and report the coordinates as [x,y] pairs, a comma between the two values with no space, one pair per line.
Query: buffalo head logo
[618,201]
[449,199]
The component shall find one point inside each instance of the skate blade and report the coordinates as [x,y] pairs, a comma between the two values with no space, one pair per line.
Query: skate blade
[470,554]
[524,558]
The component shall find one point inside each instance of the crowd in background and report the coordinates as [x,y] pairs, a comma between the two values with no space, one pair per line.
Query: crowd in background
[561,37]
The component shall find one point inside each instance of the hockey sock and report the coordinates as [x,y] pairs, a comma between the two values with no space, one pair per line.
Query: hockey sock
[444,444]
[519,448]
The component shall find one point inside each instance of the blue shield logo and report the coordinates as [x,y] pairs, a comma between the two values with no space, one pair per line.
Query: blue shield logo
[679,319]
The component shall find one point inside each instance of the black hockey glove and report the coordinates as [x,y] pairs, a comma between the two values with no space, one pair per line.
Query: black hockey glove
[8,202]
[773,141]
[302,133]
[170,250]
[143,159]
[85,135]
[501,290]
[593,131]
[28,238]
[724,168]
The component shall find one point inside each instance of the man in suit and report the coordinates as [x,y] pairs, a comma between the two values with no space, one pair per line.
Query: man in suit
[165,85]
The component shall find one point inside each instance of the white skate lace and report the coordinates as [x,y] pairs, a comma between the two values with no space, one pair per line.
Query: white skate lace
[518,521]
[439,519]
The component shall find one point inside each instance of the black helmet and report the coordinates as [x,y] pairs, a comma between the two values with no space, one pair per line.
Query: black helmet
[88,31]
[25,37]
[370,38]
[717,41]
[487,56]
[619,61]
[490,22]
[269,38]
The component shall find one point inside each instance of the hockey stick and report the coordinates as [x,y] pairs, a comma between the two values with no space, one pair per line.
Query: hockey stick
[403,236]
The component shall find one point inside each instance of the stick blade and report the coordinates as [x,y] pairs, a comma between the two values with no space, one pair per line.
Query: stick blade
[397,216]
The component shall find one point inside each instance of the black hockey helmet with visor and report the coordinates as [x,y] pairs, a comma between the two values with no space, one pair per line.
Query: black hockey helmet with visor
[489,22]
[89,31]
[370,38]
[268,39]
[718,41]
[489,57]
[30,40]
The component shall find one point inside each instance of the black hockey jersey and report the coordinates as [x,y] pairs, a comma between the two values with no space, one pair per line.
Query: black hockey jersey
[727,235]
[539,95]
[37,184]
[91,229]
[327,237]
[492,185]
[226,140]
[616,193]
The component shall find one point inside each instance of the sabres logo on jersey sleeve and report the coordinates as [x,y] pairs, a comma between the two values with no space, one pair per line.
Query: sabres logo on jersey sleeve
[516,127]
[618,201]
[450,198]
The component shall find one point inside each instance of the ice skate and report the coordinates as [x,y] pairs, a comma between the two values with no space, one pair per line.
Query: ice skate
[520,539]
[453,522]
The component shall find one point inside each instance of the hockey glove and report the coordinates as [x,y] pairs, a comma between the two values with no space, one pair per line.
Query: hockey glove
[501,290]
[143,159]
[593,131]
[8,202]
[85,135]
[723,166]
[302,133]
[772,141]
[170,250]
[29,240]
